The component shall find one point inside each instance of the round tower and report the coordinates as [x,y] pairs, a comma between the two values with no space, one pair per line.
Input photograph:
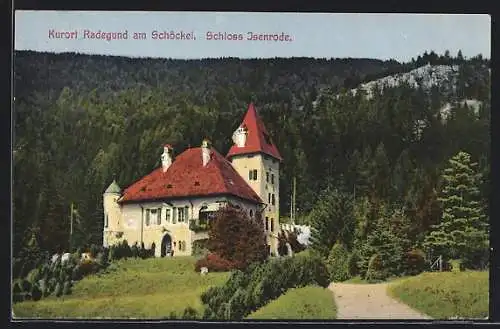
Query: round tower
[112,213]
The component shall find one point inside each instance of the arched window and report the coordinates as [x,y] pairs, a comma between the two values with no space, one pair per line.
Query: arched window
[251,213]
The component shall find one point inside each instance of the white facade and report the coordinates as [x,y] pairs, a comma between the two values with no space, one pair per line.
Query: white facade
[150,222]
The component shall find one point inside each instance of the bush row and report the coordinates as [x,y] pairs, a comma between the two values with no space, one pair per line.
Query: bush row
[248,290]
[343,265]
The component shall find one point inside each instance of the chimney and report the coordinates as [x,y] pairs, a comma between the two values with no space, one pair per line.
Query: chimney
[205,151]
[240,136]
[166,157]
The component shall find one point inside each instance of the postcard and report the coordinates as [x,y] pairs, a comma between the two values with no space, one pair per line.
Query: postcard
[242,166]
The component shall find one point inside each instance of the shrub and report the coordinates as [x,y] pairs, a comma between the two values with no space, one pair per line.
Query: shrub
[134,250]
[58,289]
[189,313]
[127,252]
[25,286]
[36,293]
[94,250]
[51,285]
[215,263]
[236,237]
[63,274]
[111,253]
[66,288]
[105,252]
[16,287]
[152,250]
[17,265]
[76,273]
[456,265]
[101,259]
[34,275]
[375,272]
[17,298]
[414,262]
[248,290]
[43,287]
[88,267]
[337,263]
[352,263]
[200,247]
[282,241]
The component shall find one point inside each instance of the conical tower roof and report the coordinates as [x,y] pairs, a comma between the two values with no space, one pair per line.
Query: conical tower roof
[113,188]
[258,140]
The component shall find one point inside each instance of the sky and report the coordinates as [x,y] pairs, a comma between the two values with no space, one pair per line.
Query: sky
[319,35]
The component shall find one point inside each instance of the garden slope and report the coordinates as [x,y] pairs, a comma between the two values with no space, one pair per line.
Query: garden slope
[307,303]
[151,289]
[447,295]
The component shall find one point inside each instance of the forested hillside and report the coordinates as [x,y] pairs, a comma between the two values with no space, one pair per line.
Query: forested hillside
[81,120]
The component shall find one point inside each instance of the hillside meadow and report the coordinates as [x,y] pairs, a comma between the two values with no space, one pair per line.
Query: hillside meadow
[446,295]
[153,288]
[306,303]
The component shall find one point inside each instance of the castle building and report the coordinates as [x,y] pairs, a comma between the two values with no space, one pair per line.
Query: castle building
[170,207]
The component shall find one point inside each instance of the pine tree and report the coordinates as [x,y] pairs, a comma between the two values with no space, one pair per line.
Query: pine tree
[463,230]
[332,220]
[389,240]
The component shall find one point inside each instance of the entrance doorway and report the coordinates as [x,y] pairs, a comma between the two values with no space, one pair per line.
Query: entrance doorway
[166,245]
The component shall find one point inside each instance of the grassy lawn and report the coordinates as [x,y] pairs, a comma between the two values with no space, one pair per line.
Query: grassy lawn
[151,288]
[307,303]
[446,295]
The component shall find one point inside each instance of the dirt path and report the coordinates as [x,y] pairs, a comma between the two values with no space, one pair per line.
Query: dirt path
[370,301]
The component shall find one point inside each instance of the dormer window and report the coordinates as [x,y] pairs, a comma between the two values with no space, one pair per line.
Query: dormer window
[240,136]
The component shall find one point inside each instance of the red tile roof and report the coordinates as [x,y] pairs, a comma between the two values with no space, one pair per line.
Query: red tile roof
[186,177]
[258,139]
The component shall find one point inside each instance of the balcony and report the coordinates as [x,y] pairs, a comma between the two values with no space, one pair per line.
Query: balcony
[197,227]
